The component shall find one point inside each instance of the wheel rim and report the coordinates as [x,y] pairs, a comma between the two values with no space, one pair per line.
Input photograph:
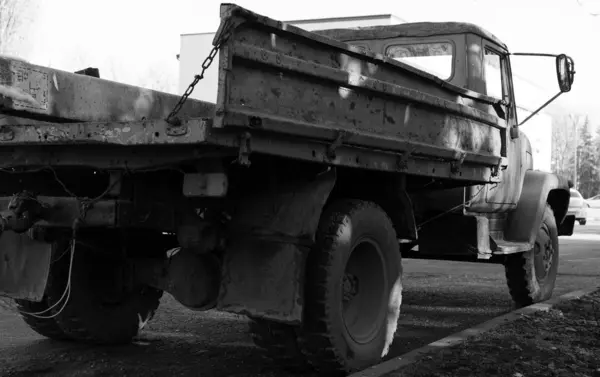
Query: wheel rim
[544,253]
[363,291]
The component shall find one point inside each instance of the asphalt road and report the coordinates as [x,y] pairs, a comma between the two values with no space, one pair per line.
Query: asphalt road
[440,298]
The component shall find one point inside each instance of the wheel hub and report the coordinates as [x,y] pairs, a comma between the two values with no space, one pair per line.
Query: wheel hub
[363,288]
[544,253]
[547,256]
[350,287]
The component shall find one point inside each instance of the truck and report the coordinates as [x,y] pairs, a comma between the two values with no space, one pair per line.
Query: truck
[291,200]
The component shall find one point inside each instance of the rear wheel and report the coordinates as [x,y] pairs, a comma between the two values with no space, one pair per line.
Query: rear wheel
[531,275]
[105,305]
[46,327]
[353,288]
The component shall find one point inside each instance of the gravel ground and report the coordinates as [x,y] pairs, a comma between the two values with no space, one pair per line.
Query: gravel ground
[440,298]
[560,342]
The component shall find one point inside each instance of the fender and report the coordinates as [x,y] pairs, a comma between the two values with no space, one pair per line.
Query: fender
[270,236]
[388,192]
[539,188]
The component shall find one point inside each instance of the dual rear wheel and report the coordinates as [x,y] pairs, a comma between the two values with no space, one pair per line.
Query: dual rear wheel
[353,293]
[103,305]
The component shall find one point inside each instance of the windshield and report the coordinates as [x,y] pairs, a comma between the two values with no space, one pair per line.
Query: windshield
[434,58]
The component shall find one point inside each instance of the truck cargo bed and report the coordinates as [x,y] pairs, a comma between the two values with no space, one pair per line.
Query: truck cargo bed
[282,91]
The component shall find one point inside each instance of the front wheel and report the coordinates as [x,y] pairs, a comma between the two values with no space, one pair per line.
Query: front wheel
[353,288]
[531,275]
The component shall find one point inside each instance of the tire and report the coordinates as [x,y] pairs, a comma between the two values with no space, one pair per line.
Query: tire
[582,222]
[279,343]
[354,271]
[531,275]
[95,312]
[46,327]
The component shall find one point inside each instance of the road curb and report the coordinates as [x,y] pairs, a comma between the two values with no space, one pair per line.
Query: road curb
[459,337]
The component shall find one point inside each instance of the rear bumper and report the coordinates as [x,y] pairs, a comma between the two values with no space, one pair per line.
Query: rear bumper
[25,256]
[151,132]
[61,212]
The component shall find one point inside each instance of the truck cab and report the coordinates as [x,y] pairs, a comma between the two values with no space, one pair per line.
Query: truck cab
[476,64]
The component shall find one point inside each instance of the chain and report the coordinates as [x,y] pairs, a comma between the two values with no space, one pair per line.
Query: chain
[225,34]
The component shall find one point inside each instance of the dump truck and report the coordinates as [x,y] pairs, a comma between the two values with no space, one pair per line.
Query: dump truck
[327,156]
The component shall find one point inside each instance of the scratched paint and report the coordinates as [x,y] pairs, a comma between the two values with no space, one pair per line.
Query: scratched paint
[75,97]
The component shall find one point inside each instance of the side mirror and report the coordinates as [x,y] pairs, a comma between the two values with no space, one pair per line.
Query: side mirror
[565,72]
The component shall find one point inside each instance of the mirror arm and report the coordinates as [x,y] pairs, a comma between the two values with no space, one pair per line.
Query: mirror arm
[533,54]
[541,108]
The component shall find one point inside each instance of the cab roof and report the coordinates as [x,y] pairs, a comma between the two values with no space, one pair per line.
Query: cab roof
[409,29]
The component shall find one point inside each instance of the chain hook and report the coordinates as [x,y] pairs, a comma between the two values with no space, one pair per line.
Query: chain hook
[172,117]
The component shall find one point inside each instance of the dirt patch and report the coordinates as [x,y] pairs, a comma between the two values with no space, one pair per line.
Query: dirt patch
[564,341]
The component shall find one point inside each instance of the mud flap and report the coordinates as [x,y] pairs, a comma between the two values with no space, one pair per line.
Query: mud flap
[567,226]
[272,233]
[24,266]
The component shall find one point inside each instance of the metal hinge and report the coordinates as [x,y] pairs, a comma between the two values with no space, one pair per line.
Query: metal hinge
[456,165]
[245,149]
[339,140]
[502,164]
[402,163]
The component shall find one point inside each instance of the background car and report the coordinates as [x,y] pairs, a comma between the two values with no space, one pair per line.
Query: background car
[594,201]
[578,207]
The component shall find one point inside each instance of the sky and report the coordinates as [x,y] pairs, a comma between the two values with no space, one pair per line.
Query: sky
[130,40]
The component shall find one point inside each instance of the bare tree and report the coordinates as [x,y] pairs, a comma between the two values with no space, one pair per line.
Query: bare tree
[12,13]
[156,79]
[564,145]
[590,6]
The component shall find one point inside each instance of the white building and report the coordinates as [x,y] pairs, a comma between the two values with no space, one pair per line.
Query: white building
[195,47]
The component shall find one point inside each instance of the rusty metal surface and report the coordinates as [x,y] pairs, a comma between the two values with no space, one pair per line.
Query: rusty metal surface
[263,267]
[264,280]
[338,52]
[24,266]
[50,94]
[294,82]
[356,80]
[103,157]
[364,158]
[152,132]
[409,29]
[62,211]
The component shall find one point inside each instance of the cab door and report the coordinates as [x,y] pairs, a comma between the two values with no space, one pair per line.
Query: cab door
[496,77]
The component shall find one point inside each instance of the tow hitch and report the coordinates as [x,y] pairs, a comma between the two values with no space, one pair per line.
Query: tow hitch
[22,212]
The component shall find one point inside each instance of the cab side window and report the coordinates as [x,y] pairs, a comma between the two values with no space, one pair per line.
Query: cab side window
[493,74]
